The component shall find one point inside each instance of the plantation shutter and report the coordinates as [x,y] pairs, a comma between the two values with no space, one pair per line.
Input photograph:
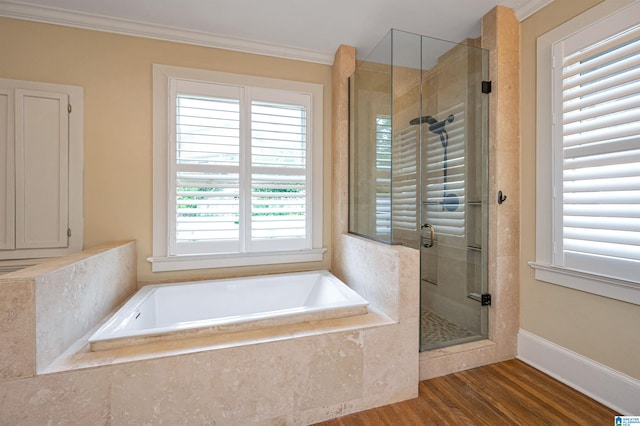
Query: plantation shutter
[206,202]
[280,198]
[240,169]
[597,227]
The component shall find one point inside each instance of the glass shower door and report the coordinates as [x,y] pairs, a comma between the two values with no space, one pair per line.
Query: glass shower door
[418,172]
[454,183]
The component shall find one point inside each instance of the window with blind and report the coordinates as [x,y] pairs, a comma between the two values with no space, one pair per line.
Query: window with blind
[241,179]
[600,158]
[594,161]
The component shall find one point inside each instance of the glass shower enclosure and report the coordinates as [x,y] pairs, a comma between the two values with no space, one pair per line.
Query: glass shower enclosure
[418,172]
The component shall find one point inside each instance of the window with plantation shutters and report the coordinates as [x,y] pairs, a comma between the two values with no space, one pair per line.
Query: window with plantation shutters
[279,175]
[599,131]
[206,206]
[221,130]
[243,179]
[594,184]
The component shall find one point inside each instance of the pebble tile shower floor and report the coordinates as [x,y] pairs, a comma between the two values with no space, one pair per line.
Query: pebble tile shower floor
[437,331]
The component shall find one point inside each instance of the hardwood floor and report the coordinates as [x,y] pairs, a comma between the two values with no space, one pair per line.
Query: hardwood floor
[507,393]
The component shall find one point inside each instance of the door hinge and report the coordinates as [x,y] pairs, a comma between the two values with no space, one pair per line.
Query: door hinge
[69,232]
[486,86]
[69,108]
[485,299]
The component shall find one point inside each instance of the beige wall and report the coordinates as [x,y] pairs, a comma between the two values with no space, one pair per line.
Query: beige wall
[115,72]
[599,328]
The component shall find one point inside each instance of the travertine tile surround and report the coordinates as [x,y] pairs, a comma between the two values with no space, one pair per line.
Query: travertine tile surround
[47,307]
[71,299]
[17,329]
[294,374]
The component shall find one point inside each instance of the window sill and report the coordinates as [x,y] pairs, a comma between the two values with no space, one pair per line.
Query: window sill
[185,262]
[625,291]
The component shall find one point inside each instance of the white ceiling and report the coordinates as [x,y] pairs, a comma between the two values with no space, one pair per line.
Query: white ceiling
[301,29]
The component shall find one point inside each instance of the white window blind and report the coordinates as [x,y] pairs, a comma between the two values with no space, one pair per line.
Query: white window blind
[597,199]
[241,170]
[279,177]
[207,208]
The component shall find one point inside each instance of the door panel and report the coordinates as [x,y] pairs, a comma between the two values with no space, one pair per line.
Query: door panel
[42,146]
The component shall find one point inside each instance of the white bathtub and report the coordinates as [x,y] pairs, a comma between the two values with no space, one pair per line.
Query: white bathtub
[164,312]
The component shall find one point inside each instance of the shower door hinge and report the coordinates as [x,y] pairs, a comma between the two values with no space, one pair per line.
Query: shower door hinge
[485,299]
[486,86]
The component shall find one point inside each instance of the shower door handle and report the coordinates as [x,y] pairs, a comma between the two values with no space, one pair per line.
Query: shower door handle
[431,235]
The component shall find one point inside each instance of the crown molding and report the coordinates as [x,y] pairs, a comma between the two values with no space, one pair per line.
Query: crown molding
[94,22]
[529,8]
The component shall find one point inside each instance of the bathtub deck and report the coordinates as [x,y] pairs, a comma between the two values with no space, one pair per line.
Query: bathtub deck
[79,355]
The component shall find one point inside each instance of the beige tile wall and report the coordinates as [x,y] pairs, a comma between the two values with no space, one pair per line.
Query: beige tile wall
[72,298]
[47,307]
[17,329]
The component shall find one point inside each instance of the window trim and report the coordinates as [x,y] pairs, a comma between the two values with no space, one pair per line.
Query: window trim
[161,260]
[545,269]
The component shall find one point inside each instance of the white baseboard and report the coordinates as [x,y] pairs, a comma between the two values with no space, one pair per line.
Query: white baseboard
[604,384]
